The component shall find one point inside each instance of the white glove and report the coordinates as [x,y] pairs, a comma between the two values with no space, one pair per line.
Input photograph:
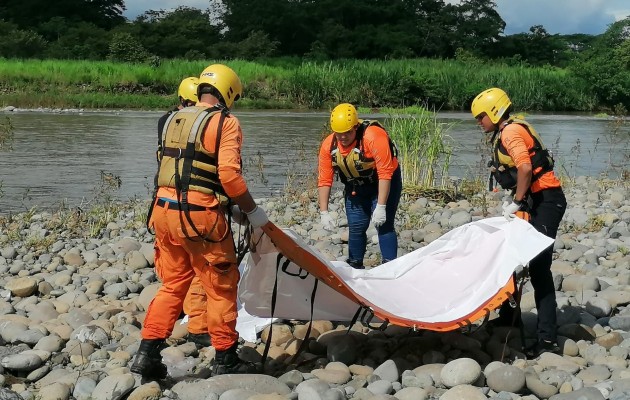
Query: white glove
[379,216]
[238,216]
[257,217]
[509,209]
[327,221]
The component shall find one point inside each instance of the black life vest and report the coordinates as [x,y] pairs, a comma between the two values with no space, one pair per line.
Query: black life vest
[505,172]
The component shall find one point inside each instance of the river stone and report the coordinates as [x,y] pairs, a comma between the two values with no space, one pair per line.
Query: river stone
[538,388]
[412,393]
[55,391]
[507,378]
[311,388]
[21,362]
[458,219]
[616,297]
[84,388]
[136,260]
[11,331]
[594,374]
[22,287]
[598,307]
[146,295]
[125,245]
[77,317]
[589,393]
[280,333]
[8,252]
[6,307]
[113,387]
[217,385]
[31,336]
[460,392]
[434,371]
[38,373]
[73,259]
[609,340]
[93,334]
[332,376]
[461,371]
[272,396]
[388,371]
[43,312]
[8,394]
[380,387]
[148,391]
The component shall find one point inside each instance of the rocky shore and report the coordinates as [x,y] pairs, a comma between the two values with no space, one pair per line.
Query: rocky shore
[74,286]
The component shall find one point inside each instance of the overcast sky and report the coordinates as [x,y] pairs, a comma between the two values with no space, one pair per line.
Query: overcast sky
[557,16]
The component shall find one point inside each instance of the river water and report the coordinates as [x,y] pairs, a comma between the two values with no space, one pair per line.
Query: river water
[62,158]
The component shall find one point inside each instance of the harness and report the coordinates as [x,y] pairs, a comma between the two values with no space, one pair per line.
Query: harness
[184,164]
[504,170]
[355,169]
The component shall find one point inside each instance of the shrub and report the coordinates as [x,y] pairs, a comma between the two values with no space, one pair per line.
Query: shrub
[124,47]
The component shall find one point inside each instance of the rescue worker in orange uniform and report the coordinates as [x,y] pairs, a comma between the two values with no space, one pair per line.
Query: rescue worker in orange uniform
[199,175]
[364,158]
[195,304]
[521,163]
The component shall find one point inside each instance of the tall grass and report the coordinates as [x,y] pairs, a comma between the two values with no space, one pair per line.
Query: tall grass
[6,134]
[292,83]
[424,149]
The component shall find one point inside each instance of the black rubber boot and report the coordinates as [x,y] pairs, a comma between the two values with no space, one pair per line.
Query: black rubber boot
[228,362]
[355,264]
[199,339]
[148,361]
[542,346]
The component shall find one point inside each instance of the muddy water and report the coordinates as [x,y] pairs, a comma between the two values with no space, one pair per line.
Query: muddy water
[62,157]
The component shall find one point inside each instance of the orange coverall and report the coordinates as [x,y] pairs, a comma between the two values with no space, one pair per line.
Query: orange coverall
[178,259]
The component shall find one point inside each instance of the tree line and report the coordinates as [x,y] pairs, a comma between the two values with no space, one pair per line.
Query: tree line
[316,30]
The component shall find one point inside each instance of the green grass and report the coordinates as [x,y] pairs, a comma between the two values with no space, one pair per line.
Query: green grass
[292,83]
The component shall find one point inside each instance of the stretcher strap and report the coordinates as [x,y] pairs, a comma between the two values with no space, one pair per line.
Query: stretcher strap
[274,295]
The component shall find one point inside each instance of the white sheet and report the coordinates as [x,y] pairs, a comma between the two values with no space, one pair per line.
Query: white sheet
[443,281]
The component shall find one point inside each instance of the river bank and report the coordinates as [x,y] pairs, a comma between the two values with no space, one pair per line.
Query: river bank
[76,284]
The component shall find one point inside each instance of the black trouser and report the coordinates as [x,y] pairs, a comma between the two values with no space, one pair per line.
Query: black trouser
[546,213]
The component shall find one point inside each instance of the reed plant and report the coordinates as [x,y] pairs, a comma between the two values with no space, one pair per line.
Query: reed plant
[6,134]
[424,149]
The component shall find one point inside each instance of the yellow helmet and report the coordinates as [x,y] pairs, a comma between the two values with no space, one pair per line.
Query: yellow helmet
[494,102]
[343,118]
[188,89]
[224,80]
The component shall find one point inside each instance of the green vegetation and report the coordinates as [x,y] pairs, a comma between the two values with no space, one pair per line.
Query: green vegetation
[305,54]
[6,134]
[292,83]
[424,149]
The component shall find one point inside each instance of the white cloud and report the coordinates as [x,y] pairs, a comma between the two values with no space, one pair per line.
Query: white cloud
[621,14]
[560,16]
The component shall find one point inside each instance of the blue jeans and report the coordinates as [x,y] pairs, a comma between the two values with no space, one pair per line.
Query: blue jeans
[359,208]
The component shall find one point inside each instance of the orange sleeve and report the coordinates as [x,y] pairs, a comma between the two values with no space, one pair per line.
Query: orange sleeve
[517,142]
[376,146]
[229,162]
[325,172]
